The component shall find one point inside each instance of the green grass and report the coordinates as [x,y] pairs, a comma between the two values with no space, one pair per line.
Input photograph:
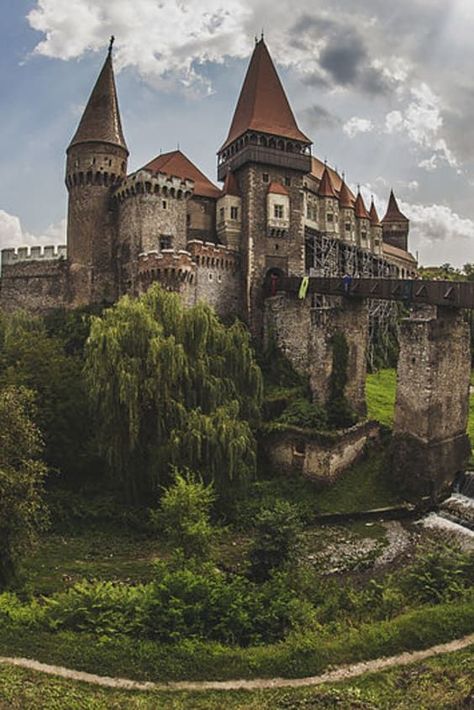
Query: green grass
[305,654]
[380,392]
[436,684]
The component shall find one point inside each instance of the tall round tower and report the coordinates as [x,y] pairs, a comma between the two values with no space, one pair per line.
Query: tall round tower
[96,163]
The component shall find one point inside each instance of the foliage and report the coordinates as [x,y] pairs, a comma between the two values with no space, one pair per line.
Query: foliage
[184,515]
[340,414]
[439,575]
[380,391]
[277,535]
[22,512]
[31,356]
[305,414]
[172,386]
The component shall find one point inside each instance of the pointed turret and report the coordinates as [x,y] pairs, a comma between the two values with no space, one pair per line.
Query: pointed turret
[393,213]
[326,188]
[374,218]
[395,225]
[360,208]
[345,198]
[100,122]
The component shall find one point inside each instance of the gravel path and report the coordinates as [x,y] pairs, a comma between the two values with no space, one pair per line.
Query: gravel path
[338,674]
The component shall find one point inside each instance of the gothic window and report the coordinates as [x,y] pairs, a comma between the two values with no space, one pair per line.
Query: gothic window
[234,212]
[278,211]
[165,241]
[265,177]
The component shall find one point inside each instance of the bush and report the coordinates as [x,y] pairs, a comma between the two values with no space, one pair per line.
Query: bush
[304,414]
[439,575]
[277,536]
[184,514]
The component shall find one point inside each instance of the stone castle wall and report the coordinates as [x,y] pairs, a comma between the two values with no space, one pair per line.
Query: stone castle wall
[37,286]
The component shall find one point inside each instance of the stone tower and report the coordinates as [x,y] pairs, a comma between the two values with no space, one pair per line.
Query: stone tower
[268,155]
[395,225]
[96,162]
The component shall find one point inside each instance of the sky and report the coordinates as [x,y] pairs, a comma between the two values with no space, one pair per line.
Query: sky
[385,91]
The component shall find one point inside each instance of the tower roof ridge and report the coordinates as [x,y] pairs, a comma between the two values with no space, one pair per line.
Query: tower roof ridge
[360,208]
[326,188]
[263,105]
[393,213]
[100,122]
[177,163]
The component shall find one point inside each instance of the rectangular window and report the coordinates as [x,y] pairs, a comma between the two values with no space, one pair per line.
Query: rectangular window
[330,217]
[165,241]
[234,212]
[265,177]
[348,226]
[363,235]
[278,211]
[164,204]
[287,181]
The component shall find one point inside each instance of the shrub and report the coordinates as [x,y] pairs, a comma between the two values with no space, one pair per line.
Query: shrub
[304,414]
[277,536]
[439,575]
[184,514]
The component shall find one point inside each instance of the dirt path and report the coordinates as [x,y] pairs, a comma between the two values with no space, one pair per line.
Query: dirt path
[338,674]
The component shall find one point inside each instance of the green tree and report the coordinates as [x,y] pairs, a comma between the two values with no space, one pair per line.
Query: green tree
[172,386]
[22,512]
[277,537]
[184,514]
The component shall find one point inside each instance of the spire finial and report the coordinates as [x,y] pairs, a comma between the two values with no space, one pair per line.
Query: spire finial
[358,187]
[262,36]
[256,39]
[111,44]
[343,176]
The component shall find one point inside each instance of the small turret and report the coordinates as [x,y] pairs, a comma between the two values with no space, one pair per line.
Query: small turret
[395,225]
[329,204]
[346,213]
[96,163]
[362,222]
[375,229]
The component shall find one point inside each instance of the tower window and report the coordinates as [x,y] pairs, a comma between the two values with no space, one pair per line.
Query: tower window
[188,220]
[363,235]
[330,217]
[265,177]
[165,241]
[164,204]
[234,212]
[278,211]
[348,226]
[287,180]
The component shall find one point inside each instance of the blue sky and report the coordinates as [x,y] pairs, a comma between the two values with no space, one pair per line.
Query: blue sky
[384,90]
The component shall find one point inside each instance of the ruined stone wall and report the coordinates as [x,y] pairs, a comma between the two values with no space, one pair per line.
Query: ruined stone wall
[260,252]
[36,286]
[305,335]
[429,434]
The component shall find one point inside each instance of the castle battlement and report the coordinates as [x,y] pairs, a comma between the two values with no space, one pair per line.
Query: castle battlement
[14,256]
[145,182]
[213,255]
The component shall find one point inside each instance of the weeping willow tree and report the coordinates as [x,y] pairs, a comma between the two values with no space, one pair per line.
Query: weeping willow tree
[172,387]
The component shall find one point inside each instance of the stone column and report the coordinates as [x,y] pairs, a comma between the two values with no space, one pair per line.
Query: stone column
[430,444]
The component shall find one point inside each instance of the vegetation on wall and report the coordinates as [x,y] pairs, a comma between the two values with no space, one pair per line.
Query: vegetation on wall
[340,414]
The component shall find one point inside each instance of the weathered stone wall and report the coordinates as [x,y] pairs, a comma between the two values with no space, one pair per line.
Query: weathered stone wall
[201,219]
[430,444]
[305,335]
[36,286]
[218,277]
[320,457]
[175,271]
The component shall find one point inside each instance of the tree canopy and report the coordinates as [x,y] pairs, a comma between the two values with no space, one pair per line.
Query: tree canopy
[172,386]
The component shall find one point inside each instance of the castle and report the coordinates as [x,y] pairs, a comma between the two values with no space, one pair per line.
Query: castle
[281,211]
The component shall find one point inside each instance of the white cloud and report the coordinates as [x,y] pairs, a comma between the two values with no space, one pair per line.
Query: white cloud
[422,121]
[12,233]
[357,125]
[434,223]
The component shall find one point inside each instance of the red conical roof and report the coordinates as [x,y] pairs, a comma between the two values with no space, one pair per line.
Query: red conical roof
[230,185]
[345,197]
[100,122]
[326,188]
[263,105]
[374,218]
[176,163]
[360,208]
[393,213]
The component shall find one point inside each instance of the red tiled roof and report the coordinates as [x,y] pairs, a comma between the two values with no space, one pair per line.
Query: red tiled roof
[390,250]
[100,122]
[317,170]
[176,163]
[374,218]
[277,188]
[263,105]
[326,188]
[230,185]
[360,208]
[346,198]
[393,213]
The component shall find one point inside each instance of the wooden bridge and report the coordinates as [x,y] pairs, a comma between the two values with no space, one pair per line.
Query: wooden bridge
[454,294]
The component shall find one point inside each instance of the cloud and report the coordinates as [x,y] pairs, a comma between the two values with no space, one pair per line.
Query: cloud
[12,233]
[436,223]
[357,125]
[321,118]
